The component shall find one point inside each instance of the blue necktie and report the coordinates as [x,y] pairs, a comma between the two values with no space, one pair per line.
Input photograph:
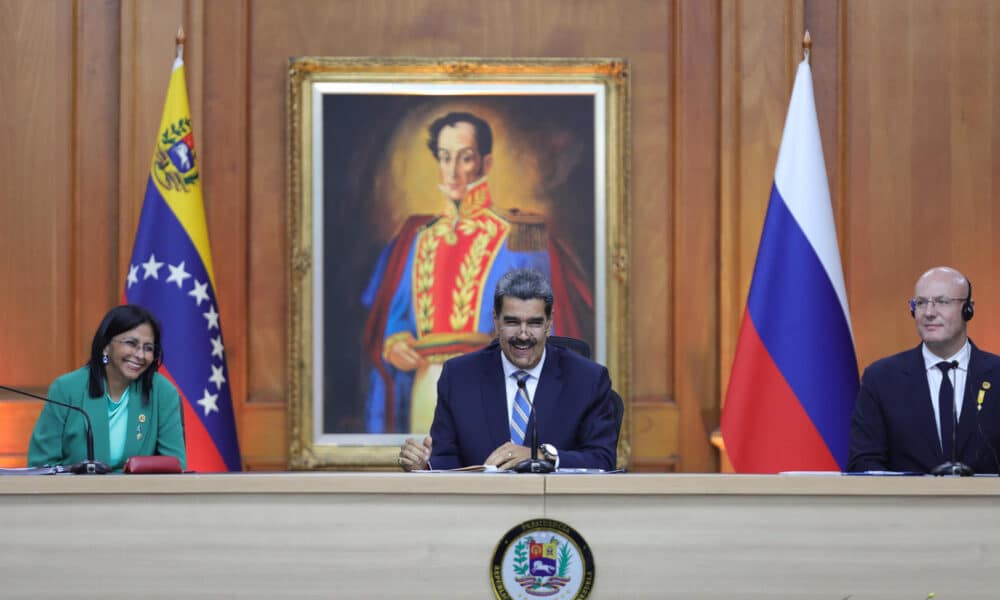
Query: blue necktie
[522,408]
[946,411]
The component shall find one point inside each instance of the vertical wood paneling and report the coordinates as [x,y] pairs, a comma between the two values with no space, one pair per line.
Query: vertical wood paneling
[695,308]
[36,40]
[920,160]
[95,170]
[223,154]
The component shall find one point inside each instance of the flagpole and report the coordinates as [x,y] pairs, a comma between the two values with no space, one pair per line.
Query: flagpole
[807,44]
[180,41]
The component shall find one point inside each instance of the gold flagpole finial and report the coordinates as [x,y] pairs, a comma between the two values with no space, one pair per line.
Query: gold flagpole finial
[807,44]
[180,41]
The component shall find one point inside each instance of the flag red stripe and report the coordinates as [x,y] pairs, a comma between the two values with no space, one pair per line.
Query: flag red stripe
[202,454]
[772,432]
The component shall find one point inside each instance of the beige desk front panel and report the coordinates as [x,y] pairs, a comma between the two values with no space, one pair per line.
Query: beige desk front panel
[344,535]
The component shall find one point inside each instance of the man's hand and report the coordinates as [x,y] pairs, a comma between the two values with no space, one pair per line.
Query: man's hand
[414,456]
[508,455]
[402,355]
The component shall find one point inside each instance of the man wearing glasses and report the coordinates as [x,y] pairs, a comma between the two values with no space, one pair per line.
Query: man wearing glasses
[934,408]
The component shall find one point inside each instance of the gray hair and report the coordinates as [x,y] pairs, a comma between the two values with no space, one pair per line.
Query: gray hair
[523,284]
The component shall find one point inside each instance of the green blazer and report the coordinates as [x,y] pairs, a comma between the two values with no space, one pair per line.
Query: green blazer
[60,436]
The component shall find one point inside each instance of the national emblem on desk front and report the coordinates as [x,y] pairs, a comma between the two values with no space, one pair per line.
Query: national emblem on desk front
[542,558]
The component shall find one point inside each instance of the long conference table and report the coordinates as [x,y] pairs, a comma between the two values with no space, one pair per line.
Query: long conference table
[396,535]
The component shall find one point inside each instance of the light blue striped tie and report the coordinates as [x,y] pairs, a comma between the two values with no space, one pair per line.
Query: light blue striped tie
[522,408]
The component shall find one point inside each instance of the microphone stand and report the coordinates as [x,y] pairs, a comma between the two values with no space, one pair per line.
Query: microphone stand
[84,467]
[533,464]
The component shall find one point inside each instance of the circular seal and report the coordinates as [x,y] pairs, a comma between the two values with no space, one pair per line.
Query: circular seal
[542,558]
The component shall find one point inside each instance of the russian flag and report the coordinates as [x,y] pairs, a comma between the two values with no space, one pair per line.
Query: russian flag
[171,275]
[795,375]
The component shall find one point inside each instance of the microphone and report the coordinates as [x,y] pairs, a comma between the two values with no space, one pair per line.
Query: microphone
[533,464]
[953,467]
[84,467]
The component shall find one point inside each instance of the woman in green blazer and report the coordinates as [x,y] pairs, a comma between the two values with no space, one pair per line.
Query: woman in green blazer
[134,411]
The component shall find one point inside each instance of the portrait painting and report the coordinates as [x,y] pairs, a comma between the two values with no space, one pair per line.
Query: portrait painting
[414,185]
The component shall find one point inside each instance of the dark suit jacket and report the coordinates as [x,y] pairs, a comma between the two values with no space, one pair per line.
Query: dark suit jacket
[572,403]
[894,427]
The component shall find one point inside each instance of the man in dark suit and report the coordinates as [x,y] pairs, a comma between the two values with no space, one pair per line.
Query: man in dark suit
[484,403]
[908,405]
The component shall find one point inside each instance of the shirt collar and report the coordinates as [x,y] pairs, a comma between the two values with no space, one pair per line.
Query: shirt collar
[962,356]
[510,368]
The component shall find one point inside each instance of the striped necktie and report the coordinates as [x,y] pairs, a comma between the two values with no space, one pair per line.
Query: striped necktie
[522,408]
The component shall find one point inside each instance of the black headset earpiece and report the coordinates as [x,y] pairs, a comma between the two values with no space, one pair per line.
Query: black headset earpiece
[968,310]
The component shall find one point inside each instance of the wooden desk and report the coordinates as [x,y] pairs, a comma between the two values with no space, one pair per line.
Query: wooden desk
[378,535]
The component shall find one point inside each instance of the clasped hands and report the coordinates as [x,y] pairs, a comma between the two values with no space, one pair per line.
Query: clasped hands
[415,456]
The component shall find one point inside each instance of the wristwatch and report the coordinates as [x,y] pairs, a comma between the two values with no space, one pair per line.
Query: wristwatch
[550,453]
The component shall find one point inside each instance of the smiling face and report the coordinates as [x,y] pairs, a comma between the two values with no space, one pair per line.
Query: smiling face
[941,326]
[522,329]
[459,161]
[129,355]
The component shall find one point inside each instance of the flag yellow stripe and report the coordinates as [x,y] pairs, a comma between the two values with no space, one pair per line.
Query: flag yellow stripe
[186,205]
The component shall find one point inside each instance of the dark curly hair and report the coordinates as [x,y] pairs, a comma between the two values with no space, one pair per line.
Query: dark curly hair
[484,135]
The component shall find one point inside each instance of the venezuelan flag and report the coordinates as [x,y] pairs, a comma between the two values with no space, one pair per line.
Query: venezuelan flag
[795,375]
[171,275]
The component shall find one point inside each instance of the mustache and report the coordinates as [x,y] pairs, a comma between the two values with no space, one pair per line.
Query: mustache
[522,344]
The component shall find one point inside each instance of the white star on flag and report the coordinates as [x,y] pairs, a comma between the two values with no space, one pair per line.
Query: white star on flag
[151,268]
[217,377]
[200,292]
[212,317]
[133,275]
[209,402]
[177,275]
[217,346]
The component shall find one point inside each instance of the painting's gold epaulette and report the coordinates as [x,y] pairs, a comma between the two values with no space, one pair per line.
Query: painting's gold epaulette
[527,231]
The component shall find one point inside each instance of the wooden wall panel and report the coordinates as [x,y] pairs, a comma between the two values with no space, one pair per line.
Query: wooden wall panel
[225,138]
[921,159]
[96,279]
[695,164]
[36,40]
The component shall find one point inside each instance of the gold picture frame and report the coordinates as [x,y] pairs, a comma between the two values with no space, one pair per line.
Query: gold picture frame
[358,164]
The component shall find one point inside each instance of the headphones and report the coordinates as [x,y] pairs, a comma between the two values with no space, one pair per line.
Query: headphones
[968,310]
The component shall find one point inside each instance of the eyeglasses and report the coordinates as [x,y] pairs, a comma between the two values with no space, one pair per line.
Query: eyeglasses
[133,345]
[942,302]
[531,326]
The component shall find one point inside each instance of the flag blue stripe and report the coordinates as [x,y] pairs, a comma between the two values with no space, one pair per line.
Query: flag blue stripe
[186,338]
[798,317]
